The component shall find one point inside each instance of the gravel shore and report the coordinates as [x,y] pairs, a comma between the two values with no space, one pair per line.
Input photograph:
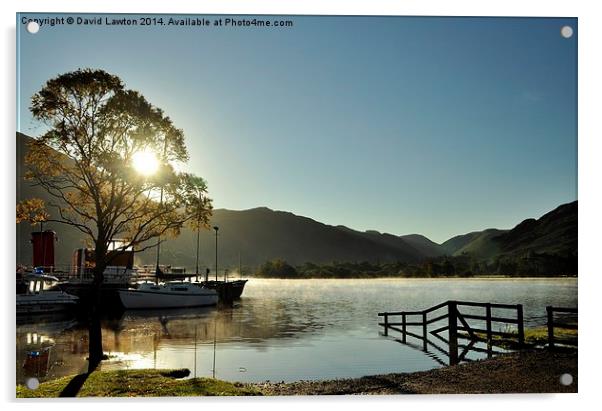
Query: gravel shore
[521,372]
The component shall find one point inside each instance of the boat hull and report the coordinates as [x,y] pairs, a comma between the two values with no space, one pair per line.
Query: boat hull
[36,304]
[139,299]
[233,289]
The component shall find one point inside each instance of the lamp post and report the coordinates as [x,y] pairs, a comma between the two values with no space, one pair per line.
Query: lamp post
[216,228]
[198,236]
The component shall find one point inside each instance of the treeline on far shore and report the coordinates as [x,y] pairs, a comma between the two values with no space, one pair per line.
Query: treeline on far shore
[532,265]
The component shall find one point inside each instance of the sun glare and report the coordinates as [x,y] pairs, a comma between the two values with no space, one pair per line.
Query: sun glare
[145,162]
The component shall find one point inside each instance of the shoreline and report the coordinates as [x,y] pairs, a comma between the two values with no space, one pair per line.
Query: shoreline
[534,371]
[475,277]
[531,371]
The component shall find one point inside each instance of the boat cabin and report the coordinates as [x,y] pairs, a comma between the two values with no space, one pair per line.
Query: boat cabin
[38,283]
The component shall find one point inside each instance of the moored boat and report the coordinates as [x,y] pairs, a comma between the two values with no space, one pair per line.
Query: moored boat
[39,299]
[235,287]
[168,295]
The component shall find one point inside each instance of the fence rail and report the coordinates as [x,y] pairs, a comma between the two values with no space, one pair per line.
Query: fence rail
[454,321]
[454,315]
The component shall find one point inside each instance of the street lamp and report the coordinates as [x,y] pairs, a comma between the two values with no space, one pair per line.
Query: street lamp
[198,236]
[216,228]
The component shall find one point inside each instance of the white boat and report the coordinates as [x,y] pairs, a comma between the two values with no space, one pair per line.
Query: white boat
[38,298]
[169,295]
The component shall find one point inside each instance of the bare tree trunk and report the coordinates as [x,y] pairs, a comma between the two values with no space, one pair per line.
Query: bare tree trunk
[95,350]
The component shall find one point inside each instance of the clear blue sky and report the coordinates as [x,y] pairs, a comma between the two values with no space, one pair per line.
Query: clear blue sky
[438,126]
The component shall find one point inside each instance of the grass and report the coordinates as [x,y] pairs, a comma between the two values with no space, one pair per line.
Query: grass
[139,383]
[533,371]
[536,336]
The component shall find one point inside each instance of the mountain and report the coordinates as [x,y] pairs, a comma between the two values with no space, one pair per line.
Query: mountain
[389,240]
[423,245]
[260,234]
[477,243]
[554,233]
[69,238]
[256,235]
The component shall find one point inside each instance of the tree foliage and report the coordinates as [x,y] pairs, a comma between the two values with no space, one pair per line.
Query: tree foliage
[532,265]
[84,161]
[277,269]
[32,210]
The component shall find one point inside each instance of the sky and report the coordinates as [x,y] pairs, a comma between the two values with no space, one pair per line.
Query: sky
[430,125]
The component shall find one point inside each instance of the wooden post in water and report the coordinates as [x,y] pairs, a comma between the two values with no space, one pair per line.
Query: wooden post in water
[424,331]
[403,327]
[521,325]
[386,323]
[489,337]
[453,332]
[550,326]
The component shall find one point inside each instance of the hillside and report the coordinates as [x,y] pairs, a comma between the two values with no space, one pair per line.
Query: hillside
[423,245]
[69,238]
[260,234]
[553,233]
[478,244]
[256,235]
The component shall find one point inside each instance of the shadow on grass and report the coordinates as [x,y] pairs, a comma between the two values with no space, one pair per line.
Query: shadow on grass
[74,386]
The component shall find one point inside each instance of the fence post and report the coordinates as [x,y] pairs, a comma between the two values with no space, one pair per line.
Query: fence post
[424,345]
[521,325]
[550,312]
[453,332]
[386,324]
[403,327]
[489,336]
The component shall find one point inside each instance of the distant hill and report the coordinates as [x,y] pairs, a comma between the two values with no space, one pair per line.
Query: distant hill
[262,234]
[69,238]
[554,233]
[477,243]
[257,235]
[425,246]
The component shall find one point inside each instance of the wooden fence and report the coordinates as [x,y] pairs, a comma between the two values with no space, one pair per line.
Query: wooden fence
[454,321]
[552,324]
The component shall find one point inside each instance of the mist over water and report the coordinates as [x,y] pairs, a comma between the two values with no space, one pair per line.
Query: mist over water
[281,330]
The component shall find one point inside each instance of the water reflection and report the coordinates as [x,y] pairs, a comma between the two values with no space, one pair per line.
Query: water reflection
[280,330]
[438,347]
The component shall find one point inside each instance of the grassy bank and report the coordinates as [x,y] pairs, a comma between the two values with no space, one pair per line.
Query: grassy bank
[523,372]
[537,336]
[139,383]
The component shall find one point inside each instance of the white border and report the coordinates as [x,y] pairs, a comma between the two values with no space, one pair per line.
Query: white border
[590,205]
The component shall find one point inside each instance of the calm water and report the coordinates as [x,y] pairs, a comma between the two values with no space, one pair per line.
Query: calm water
[280,330]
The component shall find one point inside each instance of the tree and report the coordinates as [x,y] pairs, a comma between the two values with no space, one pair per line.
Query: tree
[277,269]
[85,162]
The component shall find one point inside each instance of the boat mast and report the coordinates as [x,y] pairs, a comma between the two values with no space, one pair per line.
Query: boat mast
[160,205]
[216,228]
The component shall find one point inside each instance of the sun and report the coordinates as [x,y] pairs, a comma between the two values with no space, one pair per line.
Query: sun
[145,162]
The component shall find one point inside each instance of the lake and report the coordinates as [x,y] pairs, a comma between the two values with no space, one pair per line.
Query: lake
[281,330]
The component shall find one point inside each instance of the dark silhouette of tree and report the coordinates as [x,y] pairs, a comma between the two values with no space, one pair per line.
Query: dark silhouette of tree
[84,161]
